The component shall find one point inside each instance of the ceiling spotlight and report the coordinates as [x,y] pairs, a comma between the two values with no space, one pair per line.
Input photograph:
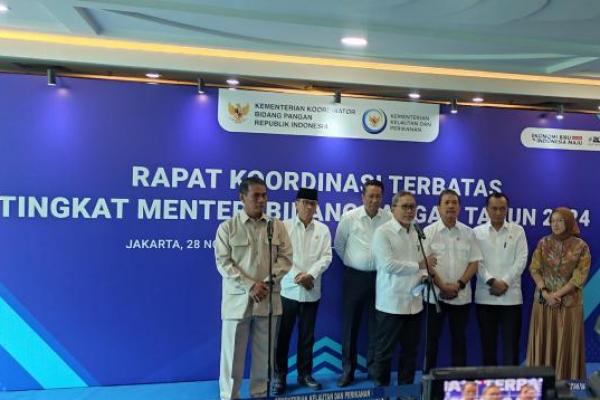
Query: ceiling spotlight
[200,86]
[232,82]
[153,75]
[337,97]
[51,74]
[354,41]
[4,8]
[560,113]
[478,99]
[414,95]
[453,107]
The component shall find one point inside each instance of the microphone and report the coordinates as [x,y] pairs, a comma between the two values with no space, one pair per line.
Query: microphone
[419,231]
[270,229]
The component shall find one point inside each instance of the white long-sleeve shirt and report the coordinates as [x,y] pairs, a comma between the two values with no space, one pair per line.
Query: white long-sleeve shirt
[454,248]
[354,236]
[504,257]
[312,255]
[397,255]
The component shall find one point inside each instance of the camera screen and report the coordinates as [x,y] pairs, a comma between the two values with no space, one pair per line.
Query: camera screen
[494,389]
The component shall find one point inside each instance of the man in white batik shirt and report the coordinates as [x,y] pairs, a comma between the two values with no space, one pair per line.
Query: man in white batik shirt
[457,252]
[352,243]
[400,270]
[301,290]
[498,296]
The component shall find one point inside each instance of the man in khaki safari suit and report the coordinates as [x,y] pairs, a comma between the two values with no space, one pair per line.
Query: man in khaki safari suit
[242,258]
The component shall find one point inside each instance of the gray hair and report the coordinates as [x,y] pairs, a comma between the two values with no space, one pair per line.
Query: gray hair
[398,195]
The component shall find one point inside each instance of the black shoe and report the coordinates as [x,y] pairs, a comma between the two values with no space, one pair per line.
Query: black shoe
[345,380]
[309,382]
[279,386]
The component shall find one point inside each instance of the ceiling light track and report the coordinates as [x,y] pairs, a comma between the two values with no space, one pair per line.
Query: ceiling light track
[312,91]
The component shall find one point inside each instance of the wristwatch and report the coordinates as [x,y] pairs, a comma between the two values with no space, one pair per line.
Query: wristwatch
[461,284]
[491,281]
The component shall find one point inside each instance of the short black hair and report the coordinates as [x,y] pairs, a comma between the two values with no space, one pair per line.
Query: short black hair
[496,195]
[251,180]
[448,192]
[372,182]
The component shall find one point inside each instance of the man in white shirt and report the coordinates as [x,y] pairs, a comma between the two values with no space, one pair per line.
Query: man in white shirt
[400,269]
[353,244]
[457,252]
[301,290]
[498,295]
[242,258]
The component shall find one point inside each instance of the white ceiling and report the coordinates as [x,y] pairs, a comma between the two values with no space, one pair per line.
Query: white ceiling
[544,37]
[530,36]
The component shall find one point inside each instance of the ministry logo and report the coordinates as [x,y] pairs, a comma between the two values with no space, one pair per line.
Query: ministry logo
[237,112]
[374,121]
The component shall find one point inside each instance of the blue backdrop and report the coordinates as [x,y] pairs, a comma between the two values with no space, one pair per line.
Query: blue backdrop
[77,307]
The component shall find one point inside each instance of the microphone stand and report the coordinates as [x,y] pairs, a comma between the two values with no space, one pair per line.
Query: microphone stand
[429,284]
[270,317]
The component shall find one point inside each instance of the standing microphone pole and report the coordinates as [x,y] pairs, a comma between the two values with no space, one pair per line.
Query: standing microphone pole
[270,318]
[429,283]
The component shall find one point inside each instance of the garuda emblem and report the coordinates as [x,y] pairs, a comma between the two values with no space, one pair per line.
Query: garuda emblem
[238,112]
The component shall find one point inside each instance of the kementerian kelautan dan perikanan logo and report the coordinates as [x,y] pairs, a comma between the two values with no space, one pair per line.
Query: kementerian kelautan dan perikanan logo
[374,121]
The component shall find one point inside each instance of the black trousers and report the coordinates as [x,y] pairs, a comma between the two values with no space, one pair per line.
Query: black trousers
[358,296]
[457,319]
[499,319]
[393,329]
[306,313]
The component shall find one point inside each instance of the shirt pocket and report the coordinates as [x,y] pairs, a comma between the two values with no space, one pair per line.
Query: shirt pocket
[361,234]
[463,251]
[437,248]
[234,289]
[275,243]
[240,247]
[314,247]
[510,247]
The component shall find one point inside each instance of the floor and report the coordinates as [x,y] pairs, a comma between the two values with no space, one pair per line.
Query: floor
[362,388]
